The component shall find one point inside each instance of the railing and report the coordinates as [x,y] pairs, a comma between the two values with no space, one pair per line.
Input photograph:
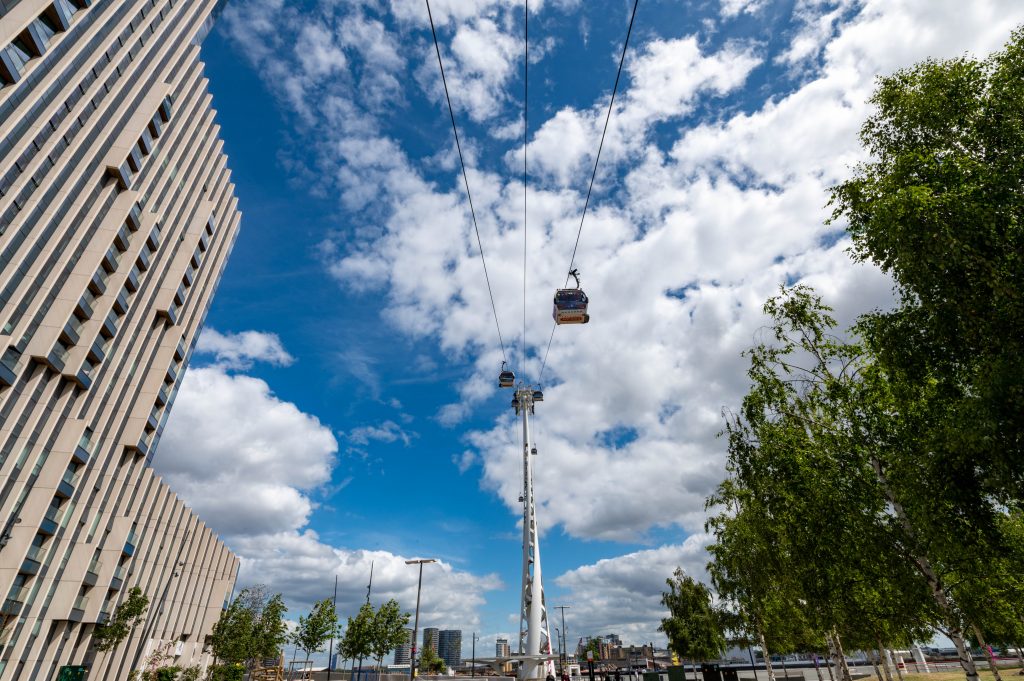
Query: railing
[36,553]
[81,603]
[95,566]
[85,442]
[119,572]
[133,538]
[18,594]
[71,477]
[51,513]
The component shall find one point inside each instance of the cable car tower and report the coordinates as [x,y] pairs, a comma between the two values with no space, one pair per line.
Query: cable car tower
[534,633]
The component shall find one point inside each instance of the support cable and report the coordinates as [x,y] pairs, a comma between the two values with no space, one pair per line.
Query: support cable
[526,99]
[465,179]
[593,175]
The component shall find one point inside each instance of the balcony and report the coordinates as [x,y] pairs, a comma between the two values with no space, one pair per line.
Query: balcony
[163,394]
[84,375]
[98,350]
[117,581]
[50,522]
[78,609]
[7,375]
[15,599]
[204,241]
[134,219]
[156,126]
[84,306]
[82,452]
[111,259]
[72,330]
[67,484]
[165,109]
[132,282]
[33,559]
[130,543]
[57,357]
[153,420]
[172,373]
[121,173]
[154,238]
[98,283]
[109,328]
[135,158]
[103,616]
[121,302]
[189,276]
[93,572]
[143,262]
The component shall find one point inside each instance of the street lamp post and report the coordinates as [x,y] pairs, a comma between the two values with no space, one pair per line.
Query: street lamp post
[563,657]
[416,621]
[473,670]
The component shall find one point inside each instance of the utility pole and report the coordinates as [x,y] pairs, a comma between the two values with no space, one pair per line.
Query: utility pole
[563,658]
[473,670]
[330,650]
[369,588]
[534,634]
[416,621]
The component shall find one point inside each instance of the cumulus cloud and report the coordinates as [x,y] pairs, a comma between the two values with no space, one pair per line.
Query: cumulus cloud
[251,465]
[703,207]
[241,350]
[622,595]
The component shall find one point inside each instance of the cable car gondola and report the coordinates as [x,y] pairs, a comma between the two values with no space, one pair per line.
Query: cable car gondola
[538,395]
[506,379]
[571,304]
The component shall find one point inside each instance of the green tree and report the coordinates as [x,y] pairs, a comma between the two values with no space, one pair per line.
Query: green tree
[314,630]
[388,629]
[693,626]
[592,646]
[126,615]
[430,663]
[251,628]
[357,643]
[940,208]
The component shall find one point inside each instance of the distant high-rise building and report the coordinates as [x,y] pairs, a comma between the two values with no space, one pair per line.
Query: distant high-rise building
[502,649]
[430,638]
[449,647]
[117,216]
[403,652]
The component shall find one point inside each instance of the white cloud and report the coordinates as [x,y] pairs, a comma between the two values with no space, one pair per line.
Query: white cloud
[732,8]
[251,465]
[622,595]
[693,224]
[245,460]
[388,431]
[241,350]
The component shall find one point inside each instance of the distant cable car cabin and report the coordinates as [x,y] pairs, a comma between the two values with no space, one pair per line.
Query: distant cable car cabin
[506,379]
[538,395]
[571,304]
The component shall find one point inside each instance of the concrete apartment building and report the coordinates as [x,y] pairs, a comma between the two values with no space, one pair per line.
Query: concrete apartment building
[117,215]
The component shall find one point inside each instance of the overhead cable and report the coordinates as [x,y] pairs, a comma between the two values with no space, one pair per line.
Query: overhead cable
[593,175]
[465,179]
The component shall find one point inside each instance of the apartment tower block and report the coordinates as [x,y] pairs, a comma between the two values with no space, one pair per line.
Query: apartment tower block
[117,215]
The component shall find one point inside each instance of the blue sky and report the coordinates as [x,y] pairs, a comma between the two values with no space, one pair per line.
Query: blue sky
[343,407]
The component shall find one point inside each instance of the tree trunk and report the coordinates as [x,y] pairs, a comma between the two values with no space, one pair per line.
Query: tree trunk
[1020,658]
[896,660]
[767,658]
[924,565]
[830,659]
[818,668]
[845,668]
[882,655]
[988,652]
[874,663]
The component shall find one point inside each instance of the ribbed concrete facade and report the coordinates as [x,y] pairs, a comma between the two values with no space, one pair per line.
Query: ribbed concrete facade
[117,215]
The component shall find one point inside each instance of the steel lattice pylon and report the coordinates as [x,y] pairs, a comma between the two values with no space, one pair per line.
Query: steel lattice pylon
[534,633]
